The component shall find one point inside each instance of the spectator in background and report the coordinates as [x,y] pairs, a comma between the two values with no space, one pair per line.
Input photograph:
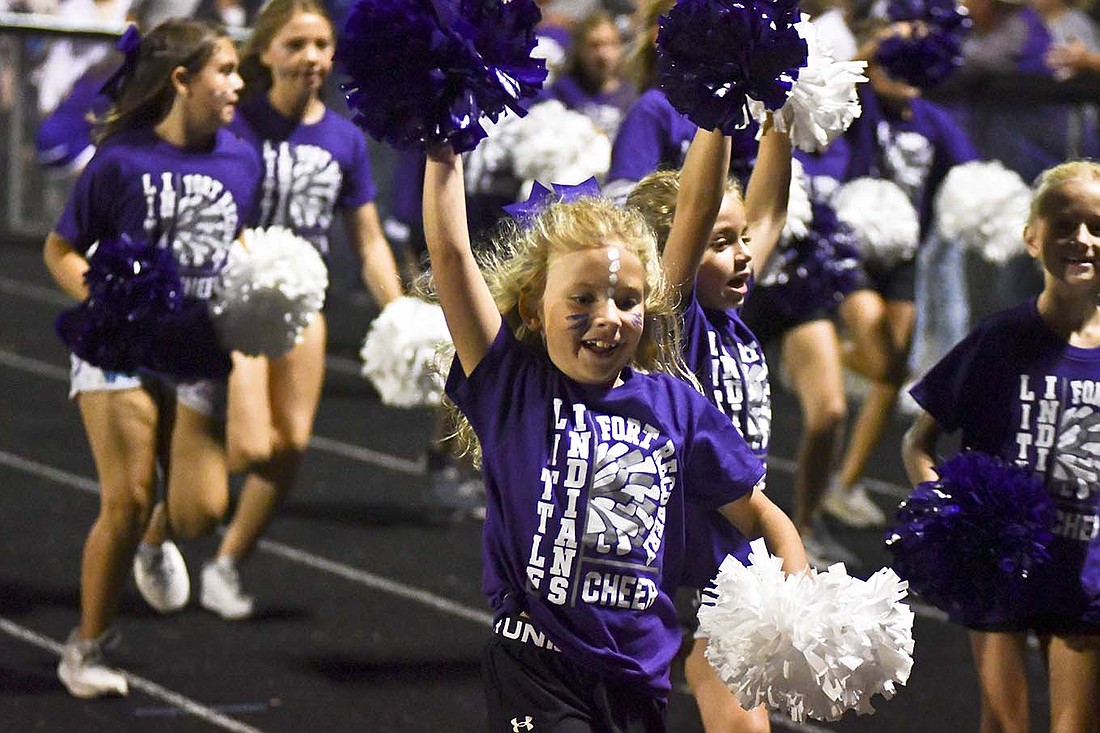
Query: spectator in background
[68,58]
[592,82]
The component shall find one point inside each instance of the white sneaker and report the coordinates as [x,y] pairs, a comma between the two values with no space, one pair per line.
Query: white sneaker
[83,671]
[161,576]
[221,591]
[853,507]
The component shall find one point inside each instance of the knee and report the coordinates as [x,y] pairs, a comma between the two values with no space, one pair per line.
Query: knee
[825,417]
[246,452]
[201,517]
[126,513]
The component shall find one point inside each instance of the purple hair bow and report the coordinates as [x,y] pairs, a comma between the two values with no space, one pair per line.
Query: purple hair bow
[541,197]
[130,45]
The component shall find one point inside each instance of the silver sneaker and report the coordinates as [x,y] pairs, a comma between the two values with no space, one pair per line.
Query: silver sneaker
[83,671]
[222,594]
[823,550]
[161,577]
[853,507]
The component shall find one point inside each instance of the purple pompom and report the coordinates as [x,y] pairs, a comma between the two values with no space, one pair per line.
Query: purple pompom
[426,72]
[186,346]
[816,272]
[715,53]
[969,541]
[934,50]
[132,288]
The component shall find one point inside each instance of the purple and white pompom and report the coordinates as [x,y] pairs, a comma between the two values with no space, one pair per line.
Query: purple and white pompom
[560,145]
[883,218]
[932,50]
[822,102]
[713,55]
[808,645]
[985,206]
[271,288]
[405,353]
[429,72]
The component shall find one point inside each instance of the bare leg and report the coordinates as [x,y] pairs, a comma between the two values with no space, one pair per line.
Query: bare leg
[294,391]
[121,429]
[1000,659]
[1073,664]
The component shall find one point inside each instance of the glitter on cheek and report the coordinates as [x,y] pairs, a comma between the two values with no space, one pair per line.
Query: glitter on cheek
[613,266]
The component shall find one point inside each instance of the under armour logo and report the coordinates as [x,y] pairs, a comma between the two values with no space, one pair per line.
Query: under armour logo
[526,724]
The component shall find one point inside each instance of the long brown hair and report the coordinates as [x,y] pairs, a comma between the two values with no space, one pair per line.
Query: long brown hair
[641,60]
[147,96]
[269,21]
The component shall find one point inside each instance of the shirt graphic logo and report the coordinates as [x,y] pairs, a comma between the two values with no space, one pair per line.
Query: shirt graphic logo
[1059,435]
[195,215]
[527,723]
[301,183]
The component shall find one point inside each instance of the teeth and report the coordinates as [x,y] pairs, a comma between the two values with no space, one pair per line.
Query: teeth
[601,344]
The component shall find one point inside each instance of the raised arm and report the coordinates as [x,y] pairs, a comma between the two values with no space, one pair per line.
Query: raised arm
[702,186]
[379,269]
[918,448]
[767,194]
[472,315]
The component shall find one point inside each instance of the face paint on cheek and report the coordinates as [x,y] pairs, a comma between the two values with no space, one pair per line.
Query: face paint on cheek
[637,322]
[578,322]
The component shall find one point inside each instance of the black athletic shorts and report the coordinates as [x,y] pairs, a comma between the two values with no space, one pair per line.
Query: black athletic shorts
[531,686]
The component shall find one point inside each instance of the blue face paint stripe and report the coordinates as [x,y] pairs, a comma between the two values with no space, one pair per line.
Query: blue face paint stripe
[578,322]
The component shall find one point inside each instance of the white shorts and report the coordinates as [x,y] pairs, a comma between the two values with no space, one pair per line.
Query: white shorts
[205,396]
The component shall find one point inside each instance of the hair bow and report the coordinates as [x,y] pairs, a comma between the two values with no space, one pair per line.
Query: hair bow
[541,197]
[130,46]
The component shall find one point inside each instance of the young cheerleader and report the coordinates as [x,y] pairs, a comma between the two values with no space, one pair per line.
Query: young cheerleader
[914,143]
[167,173]
[1022,387]
[314,162]
[590,451]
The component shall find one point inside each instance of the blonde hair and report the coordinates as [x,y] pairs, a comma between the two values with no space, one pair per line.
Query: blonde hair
[641,61]
[515,269]
[1054,178]
[655,199]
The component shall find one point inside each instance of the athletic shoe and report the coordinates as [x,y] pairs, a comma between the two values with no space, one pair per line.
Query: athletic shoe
[823,550]
[455,496]
[853,507]
[83,671]
[221,591]
[161,576]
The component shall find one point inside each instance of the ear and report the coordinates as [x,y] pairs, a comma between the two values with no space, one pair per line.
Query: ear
[529,312]
[178,79]
[1031,241]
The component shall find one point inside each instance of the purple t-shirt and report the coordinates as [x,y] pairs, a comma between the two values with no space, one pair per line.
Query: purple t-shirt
[729,363]
[192,201]
[308,170]
[1018,391]
[654,136]
[64,137]
[605,110]
[586,494]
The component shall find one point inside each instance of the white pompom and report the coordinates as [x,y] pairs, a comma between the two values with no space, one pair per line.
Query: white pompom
[270,289]
[884,220]
[799,210]
[405,353]
[554,144]
[985,206]
[823,101]
[812,645]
